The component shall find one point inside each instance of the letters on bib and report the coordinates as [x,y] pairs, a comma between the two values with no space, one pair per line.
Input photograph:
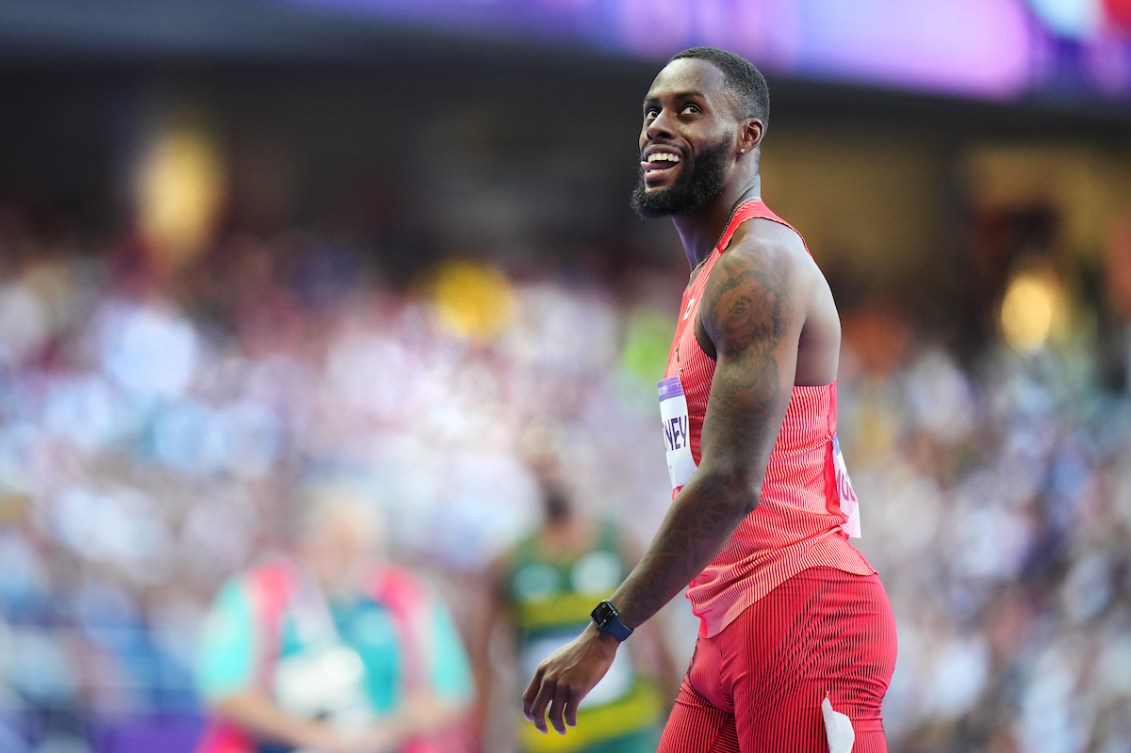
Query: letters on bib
[677,431]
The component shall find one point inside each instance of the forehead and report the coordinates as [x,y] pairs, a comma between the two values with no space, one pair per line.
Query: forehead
[688,75]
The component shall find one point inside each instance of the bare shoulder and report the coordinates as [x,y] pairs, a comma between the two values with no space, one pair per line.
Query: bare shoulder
[756,290]
[769,241]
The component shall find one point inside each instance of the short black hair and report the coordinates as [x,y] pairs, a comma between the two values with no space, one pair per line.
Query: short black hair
[743,81]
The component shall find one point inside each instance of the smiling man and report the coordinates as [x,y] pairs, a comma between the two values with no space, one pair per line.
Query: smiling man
[796,644]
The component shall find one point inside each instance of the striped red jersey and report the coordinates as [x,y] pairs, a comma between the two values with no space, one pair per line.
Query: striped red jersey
[807,508]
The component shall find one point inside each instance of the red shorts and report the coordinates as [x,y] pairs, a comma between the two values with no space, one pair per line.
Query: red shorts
[758,685]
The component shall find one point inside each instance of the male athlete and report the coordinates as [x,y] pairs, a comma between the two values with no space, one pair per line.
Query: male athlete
[796,644]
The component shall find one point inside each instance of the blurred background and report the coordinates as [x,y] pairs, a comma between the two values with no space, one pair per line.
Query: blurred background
[243,241]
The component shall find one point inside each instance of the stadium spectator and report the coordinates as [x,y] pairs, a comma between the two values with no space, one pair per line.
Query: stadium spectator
[332,649]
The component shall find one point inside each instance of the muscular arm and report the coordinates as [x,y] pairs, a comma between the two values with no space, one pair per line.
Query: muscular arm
[651,643]
[750,313]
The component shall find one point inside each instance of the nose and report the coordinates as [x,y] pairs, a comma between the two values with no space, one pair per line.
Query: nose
[659,127]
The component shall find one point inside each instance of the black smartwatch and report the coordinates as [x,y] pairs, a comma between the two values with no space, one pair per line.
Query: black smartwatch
[607,620]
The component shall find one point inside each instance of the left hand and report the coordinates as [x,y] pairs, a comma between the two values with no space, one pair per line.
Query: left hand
[565,677]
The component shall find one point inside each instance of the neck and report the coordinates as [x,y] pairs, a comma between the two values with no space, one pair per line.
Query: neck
[700,231]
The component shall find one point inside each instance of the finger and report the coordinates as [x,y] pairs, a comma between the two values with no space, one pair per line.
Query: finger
[530,694]
[561,698]
[571,710]
[541,701]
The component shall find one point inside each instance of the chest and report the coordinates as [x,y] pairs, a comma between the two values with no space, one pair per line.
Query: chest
[686,358]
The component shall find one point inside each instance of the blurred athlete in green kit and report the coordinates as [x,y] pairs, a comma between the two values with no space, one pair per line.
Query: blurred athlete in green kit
[541,592]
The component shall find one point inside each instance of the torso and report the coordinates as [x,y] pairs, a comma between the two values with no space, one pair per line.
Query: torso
[800,520]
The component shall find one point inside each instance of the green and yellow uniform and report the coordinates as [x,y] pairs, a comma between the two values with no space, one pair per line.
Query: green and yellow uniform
[549,600]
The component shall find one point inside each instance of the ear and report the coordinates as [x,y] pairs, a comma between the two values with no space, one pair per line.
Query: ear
[750,132]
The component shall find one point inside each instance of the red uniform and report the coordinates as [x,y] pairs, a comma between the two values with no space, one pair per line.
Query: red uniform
[790,611]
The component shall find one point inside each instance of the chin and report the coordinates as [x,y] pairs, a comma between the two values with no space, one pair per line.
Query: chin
[652,203]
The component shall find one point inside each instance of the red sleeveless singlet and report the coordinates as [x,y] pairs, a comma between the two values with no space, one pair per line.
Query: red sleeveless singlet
[803,518]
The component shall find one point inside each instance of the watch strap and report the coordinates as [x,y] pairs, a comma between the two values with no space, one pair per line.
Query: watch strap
[607,620]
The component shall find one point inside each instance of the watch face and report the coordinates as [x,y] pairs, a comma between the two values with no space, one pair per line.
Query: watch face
[607,620]
[603,613]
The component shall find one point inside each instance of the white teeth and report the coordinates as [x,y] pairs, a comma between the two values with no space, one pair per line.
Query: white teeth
[663,157]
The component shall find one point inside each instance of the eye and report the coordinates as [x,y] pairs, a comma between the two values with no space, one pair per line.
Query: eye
[651,111]
[694,109]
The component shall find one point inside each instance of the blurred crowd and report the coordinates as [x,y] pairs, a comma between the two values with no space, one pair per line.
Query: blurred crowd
[154,420]
[999,510]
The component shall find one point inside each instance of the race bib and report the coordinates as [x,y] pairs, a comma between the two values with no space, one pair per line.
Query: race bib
[677,431]
[849,504]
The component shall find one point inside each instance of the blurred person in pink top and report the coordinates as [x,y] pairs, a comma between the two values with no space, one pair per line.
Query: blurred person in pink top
[332,648]
[797,643]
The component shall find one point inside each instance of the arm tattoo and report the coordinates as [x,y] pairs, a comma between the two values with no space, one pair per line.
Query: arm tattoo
[747,313]
[747,303]
[690,537]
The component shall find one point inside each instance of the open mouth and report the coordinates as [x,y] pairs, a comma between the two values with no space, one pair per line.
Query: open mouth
[657,162]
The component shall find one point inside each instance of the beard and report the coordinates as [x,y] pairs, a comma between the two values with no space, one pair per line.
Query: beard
[691,191]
